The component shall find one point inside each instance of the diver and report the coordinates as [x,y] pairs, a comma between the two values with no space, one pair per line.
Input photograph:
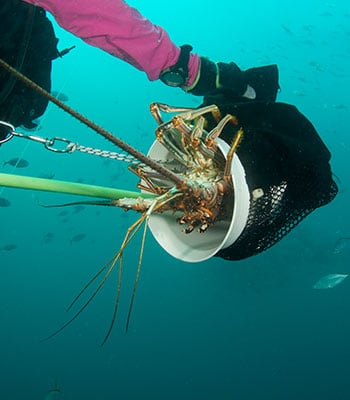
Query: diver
[29,44]
[285,164]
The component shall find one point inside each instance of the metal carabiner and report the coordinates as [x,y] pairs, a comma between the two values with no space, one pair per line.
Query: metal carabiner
[50,143]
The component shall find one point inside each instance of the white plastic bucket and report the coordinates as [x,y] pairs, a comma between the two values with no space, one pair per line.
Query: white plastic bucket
[195,246]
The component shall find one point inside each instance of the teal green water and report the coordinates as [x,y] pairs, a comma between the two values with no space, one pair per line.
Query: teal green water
[254,329]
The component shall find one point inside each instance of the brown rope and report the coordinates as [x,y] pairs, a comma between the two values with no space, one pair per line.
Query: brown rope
[107,135]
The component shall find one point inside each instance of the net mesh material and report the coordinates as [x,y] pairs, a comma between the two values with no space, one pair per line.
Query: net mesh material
[284,157]
[275,214]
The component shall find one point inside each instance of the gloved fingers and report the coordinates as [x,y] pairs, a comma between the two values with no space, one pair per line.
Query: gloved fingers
[264,80]
[230,77]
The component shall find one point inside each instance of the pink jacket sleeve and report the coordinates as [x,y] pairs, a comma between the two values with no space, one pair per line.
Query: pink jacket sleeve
[120,30]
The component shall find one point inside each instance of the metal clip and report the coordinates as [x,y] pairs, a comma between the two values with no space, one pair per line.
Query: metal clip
[30,137]
[61,145]
[69,147]
[48,143]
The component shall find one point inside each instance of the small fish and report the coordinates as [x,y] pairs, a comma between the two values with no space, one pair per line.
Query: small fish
[287,29]
[329,281]
[48,238]
[325,14]
[9,247]
[78,209]
[77,238]
[339,106]
[17,162]
[63,213]
[47,175]
[308,28]
[317,66]
[341,245]
[298,93]
[4,202]
[60,96]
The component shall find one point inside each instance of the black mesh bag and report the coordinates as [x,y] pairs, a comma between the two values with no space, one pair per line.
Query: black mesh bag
[284,157]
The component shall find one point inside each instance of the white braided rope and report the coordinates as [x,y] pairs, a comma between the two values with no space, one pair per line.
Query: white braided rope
[106,154]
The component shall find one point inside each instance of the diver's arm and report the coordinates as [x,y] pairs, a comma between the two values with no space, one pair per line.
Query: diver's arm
[120,30]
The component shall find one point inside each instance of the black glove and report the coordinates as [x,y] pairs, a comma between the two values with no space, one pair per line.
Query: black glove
[227,80]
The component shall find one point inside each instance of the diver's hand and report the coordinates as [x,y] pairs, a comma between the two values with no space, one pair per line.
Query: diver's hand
[255,84]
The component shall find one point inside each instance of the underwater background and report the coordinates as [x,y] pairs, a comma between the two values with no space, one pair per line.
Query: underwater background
[254,329]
